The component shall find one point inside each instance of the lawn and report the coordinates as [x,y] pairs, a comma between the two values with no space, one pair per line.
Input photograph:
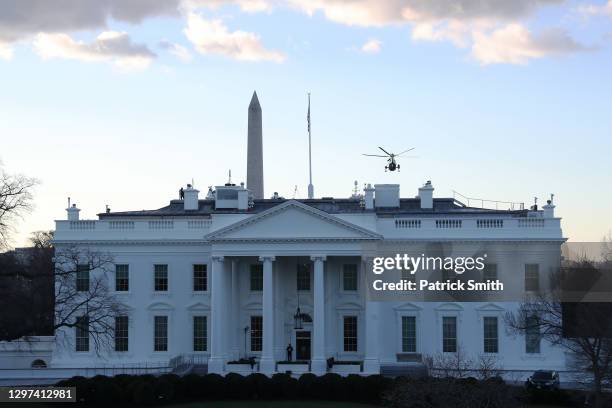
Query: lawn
[273,404]
[235,404]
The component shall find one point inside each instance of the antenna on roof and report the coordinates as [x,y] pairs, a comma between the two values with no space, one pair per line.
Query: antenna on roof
[310,186]
[295,191]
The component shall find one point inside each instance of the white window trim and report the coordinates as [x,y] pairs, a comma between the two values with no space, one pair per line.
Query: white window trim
[161,312]
[350,355]
[208,282]
[191,318]
[249,349]
[358,270]
[122,292]
[417,322]
[160,292]
[448,310]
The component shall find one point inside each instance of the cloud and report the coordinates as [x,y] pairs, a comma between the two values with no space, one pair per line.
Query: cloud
[6,51]
[213,37]
[249,6]
[372,46]
[109,46]
[177,50]
[493,29]
[22,19]
[385,12]
[515,44]
[597,10]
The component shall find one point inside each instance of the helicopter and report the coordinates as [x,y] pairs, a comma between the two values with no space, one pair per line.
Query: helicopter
[392,164]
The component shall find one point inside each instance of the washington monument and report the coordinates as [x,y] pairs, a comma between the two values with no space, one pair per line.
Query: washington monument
[255,150]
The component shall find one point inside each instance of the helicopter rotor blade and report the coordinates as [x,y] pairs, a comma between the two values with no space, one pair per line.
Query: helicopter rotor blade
[405,151]
[385,151]
[374,155]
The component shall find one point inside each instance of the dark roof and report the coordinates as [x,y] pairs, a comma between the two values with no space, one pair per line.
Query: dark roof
[329,205]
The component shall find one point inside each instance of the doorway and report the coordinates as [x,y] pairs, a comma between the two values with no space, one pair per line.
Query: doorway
[302,345]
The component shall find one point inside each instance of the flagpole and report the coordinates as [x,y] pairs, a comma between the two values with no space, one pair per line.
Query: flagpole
[310,186]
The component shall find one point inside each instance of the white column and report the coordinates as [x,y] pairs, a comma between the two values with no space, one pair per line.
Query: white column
[267,364]
[371,363]
[318,362]
[236,330]
[216,362]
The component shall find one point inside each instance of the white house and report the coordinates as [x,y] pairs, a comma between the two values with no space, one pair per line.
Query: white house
[234,276]
[222,278]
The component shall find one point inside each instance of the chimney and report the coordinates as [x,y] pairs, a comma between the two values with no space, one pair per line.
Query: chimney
[426,195]
[191,198]
[243,198]
[549,208]
[369,197]
[255,150]
[387,195]
[73,212]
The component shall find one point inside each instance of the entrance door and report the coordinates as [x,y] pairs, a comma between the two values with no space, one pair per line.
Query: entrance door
[302,345]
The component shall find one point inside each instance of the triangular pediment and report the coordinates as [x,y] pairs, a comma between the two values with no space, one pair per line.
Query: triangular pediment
[292,221]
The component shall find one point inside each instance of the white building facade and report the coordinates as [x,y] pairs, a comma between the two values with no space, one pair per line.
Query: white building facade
[220,279]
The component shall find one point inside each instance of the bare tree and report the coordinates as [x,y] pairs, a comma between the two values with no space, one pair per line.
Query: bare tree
[488,366]
[82,290]
[583,329]
[457,364]
[15,201]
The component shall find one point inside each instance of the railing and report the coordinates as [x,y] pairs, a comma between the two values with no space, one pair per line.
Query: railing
[82,225]
[490,223]
[531,223]
[121,225]
[199,224]
[407,223]
[161,224]
[490,204]
[448,223]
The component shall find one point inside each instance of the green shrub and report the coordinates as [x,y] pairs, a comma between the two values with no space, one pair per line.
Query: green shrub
[237,387]
[306,385]
[214,386]
[192,384]
[144,393]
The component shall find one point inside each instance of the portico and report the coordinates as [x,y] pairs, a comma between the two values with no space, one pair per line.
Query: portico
[244,251]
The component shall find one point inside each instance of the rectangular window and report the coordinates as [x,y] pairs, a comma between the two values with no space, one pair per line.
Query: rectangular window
[350,333]
[256,278]
[82,278]
[121,333]
[491,340]
[161,278]
[122,278]
[349,277]
[532,336]
[408,334]
[303,277]
[532,277]
[200,332]
[489,272]
[449,334]
[256,333]
[200,278]
[160,333]
[82,333]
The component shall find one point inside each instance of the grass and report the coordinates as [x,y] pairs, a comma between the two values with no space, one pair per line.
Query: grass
[233,404]
[272,404]
[252,404]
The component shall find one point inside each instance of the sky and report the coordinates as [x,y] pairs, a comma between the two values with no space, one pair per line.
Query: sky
[120,102]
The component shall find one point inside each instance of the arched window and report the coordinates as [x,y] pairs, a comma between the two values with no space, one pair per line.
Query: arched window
[39,364]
